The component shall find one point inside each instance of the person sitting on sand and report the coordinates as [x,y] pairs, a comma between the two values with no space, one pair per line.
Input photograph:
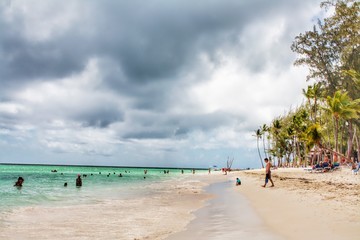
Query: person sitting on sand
[238,181]
[335,158]
[19,182]
[268,173]
[318,165]
[355,168]
[78,181]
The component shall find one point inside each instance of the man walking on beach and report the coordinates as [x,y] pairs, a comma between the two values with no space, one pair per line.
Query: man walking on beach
[268,173]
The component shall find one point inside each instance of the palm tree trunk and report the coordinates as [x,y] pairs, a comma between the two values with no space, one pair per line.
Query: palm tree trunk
[315,109]
[313,159]
[264,146]
[279,161]
[350,140]
[343,129]
[358,145]
[262,164]
[294,152]
[299,153]
[336,134]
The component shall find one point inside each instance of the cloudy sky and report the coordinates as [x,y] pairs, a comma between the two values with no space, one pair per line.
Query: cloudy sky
[146,83]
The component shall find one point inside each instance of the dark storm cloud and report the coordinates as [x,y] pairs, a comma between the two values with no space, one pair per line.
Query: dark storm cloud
[23,60]
[100,118]
[149,41]
[27,61]
[159,126]
[144,50]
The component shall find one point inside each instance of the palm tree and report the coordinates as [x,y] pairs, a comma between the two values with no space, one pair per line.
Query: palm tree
[341,106]
[276,127]
[313,93]
[309,94]
[314,136]
[317,93]
[264,129]
[258,136]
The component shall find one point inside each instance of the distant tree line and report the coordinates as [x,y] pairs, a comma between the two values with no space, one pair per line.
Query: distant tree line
[328,122]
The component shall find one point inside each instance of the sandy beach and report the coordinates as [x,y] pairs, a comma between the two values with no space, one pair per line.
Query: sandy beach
[305,205]
[302,205]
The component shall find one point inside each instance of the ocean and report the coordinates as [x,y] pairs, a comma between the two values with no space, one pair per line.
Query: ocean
[155,205]
[44,184]
[106,206]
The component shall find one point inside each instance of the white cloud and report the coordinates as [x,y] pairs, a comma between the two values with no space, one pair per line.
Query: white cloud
[41,20]
[112,84]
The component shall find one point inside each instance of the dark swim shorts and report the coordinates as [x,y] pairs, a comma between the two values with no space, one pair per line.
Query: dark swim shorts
[268,176]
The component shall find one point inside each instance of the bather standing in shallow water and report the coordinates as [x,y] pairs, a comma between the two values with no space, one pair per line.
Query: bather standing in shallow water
[78,181]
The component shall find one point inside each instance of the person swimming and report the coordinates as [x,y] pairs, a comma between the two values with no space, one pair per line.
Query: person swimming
[19,182]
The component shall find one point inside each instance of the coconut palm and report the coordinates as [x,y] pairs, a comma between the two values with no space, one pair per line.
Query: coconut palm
[275,130]
[341,106]
[317,93]
[258,136]
[264,130]
[309,94]
[312,94]
[314,137]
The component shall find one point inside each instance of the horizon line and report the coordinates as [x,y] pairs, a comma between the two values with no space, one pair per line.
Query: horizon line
[79,165]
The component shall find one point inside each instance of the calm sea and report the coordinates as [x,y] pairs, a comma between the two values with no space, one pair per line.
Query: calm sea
[44,186]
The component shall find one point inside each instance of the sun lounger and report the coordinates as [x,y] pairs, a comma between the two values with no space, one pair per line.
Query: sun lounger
[317,170]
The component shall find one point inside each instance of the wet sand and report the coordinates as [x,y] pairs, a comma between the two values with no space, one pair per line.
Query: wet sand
[227,216]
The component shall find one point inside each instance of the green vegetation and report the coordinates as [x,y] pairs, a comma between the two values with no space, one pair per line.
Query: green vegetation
[329,122]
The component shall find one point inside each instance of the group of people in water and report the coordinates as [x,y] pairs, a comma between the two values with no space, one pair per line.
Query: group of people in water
[78,181]
[21,180]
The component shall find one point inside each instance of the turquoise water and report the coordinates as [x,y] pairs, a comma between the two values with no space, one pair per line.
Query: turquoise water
[44,187]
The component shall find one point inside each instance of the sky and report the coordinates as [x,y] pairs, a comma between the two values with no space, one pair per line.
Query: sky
[146,83]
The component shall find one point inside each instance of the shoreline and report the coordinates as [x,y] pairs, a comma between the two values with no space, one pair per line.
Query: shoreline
[302,205]
[228,215]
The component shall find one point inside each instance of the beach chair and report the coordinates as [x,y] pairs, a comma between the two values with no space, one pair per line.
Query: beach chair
[317,169]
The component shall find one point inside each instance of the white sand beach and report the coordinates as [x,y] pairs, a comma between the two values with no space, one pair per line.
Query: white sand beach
[305,205]
[302,205]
